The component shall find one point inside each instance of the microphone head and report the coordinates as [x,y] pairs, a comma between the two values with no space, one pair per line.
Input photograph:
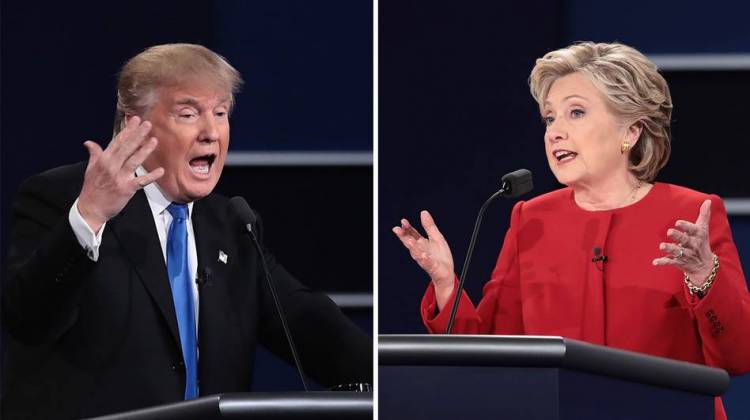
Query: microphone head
[239,207]
[517,183]
[596,250]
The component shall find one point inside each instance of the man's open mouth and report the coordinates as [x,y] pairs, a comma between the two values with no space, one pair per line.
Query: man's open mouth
[202,164]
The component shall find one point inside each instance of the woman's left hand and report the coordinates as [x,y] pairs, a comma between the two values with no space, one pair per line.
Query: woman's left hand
[691,250]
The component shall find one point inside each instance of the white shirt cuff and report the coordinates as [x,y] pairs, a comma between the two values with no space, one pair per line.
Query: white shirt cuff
[89,240]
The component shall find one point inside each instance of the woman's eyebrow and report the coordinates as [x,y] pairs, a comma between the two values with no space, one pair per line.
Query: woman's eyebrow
[566,98]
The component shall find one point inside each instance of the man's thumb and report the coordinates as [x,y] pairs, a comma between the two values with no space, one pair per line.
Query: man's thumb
[94,150]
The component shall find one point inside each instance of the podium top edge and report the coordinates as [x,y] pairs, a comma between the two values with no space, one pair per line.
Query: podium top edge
[265,405]
[549,352]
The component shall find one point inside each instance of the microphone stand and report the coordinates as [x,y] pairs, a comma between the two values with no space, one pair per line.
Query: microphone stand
[462,279]
[280,310]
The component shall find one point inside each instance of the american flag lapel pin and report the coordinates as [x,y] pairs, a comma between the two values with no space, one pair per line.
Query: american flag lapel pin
[223,257]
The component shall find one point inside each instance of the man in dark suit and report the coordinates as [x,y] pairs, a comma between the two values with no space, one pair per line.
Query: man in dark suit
[130,284]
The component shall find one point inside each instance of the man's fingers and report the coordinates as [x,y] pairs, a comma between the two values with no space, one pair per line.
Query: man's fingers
[130,124]
[428,223]
[94,150]
[134,140]
[133,121]
[145,179]
[140,155]
[129,140]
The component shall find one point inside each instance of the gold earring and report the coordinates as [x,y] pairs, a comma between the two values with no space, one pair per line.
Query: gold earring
[625,147]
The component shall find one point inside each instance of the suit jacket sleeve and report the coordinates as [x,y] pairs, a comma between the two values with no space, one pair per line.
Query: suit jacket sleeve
[332,349]
[46,265]
[723,315]
[499,311]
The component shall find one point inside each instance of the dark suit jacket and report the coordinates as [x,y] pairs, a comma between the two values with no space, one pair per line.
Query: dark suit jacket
[89,338]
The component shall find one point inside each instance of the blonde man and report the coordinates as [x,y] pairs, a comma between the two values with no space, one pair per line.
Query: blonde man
[131,284]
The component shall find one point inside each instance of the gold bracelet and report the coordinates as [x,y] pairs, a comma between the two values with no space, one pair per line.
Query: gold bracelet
[701,291]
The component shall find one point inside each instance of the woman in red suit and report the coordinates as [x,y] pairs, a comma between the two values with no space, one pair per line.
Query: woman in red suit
[671,285]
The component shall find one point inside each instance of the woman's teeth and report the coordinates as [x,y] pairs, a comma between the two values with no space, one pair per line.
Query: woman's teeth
[564,155]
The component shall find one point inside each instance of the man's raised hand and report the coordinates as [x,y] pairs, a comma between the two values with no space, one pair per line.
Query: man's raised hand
[110,180]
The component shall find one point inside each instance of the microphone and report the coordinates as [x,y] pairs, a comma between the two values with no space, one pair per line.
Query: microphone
[598,255]
[239,207]
[517,183]
[204,278]
[514,184]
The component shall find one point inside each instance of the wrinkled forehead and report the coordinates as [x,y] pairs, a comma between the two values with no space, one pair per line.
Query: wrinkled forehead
[196,91]
[576,85]
[572,84]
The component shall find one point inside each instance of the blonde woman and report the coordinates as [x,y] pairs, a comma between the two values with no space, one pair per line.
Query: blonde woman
[671,285]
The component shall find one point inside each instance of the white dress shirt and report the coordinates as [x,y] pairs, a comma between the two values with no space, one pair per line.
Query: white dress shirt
[90,240]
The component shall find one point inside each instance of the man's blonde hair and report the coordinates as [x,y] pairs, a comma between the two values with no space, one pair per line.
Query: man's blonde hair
[169,65]
[631,87]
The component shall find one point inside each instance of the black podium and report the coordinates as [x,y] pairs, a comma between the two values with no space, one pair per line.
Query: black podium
[261,405]
[526,377]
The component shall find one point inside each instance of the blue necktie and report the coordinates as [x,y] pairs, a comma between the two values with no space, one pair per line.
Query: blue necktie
[182,293]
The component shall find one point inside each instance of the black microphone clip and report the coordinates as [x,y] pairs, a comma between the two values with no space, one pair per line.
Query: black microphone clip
[598,255]
[203,278]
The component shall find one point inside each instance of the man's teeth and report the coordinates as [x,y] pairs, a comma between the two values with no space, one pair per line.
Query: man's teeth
[201,164]
[201,168]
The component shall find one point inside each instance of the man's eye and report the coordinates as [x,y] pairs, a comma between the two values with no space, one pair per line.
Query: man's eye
[577,113]
[187,116]
[221,114]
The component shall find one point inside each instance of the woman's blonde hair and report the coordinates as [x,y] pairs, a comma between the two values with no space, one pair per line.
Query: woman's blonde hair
[632,88]
[169,65]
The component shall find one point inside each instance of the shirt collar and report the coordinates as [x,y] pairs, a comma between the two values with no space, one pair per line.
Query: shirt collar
[157,200]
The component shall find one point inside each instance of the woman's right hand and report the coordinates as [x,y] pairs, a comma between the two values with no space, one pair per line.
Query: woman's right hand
[431,253]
